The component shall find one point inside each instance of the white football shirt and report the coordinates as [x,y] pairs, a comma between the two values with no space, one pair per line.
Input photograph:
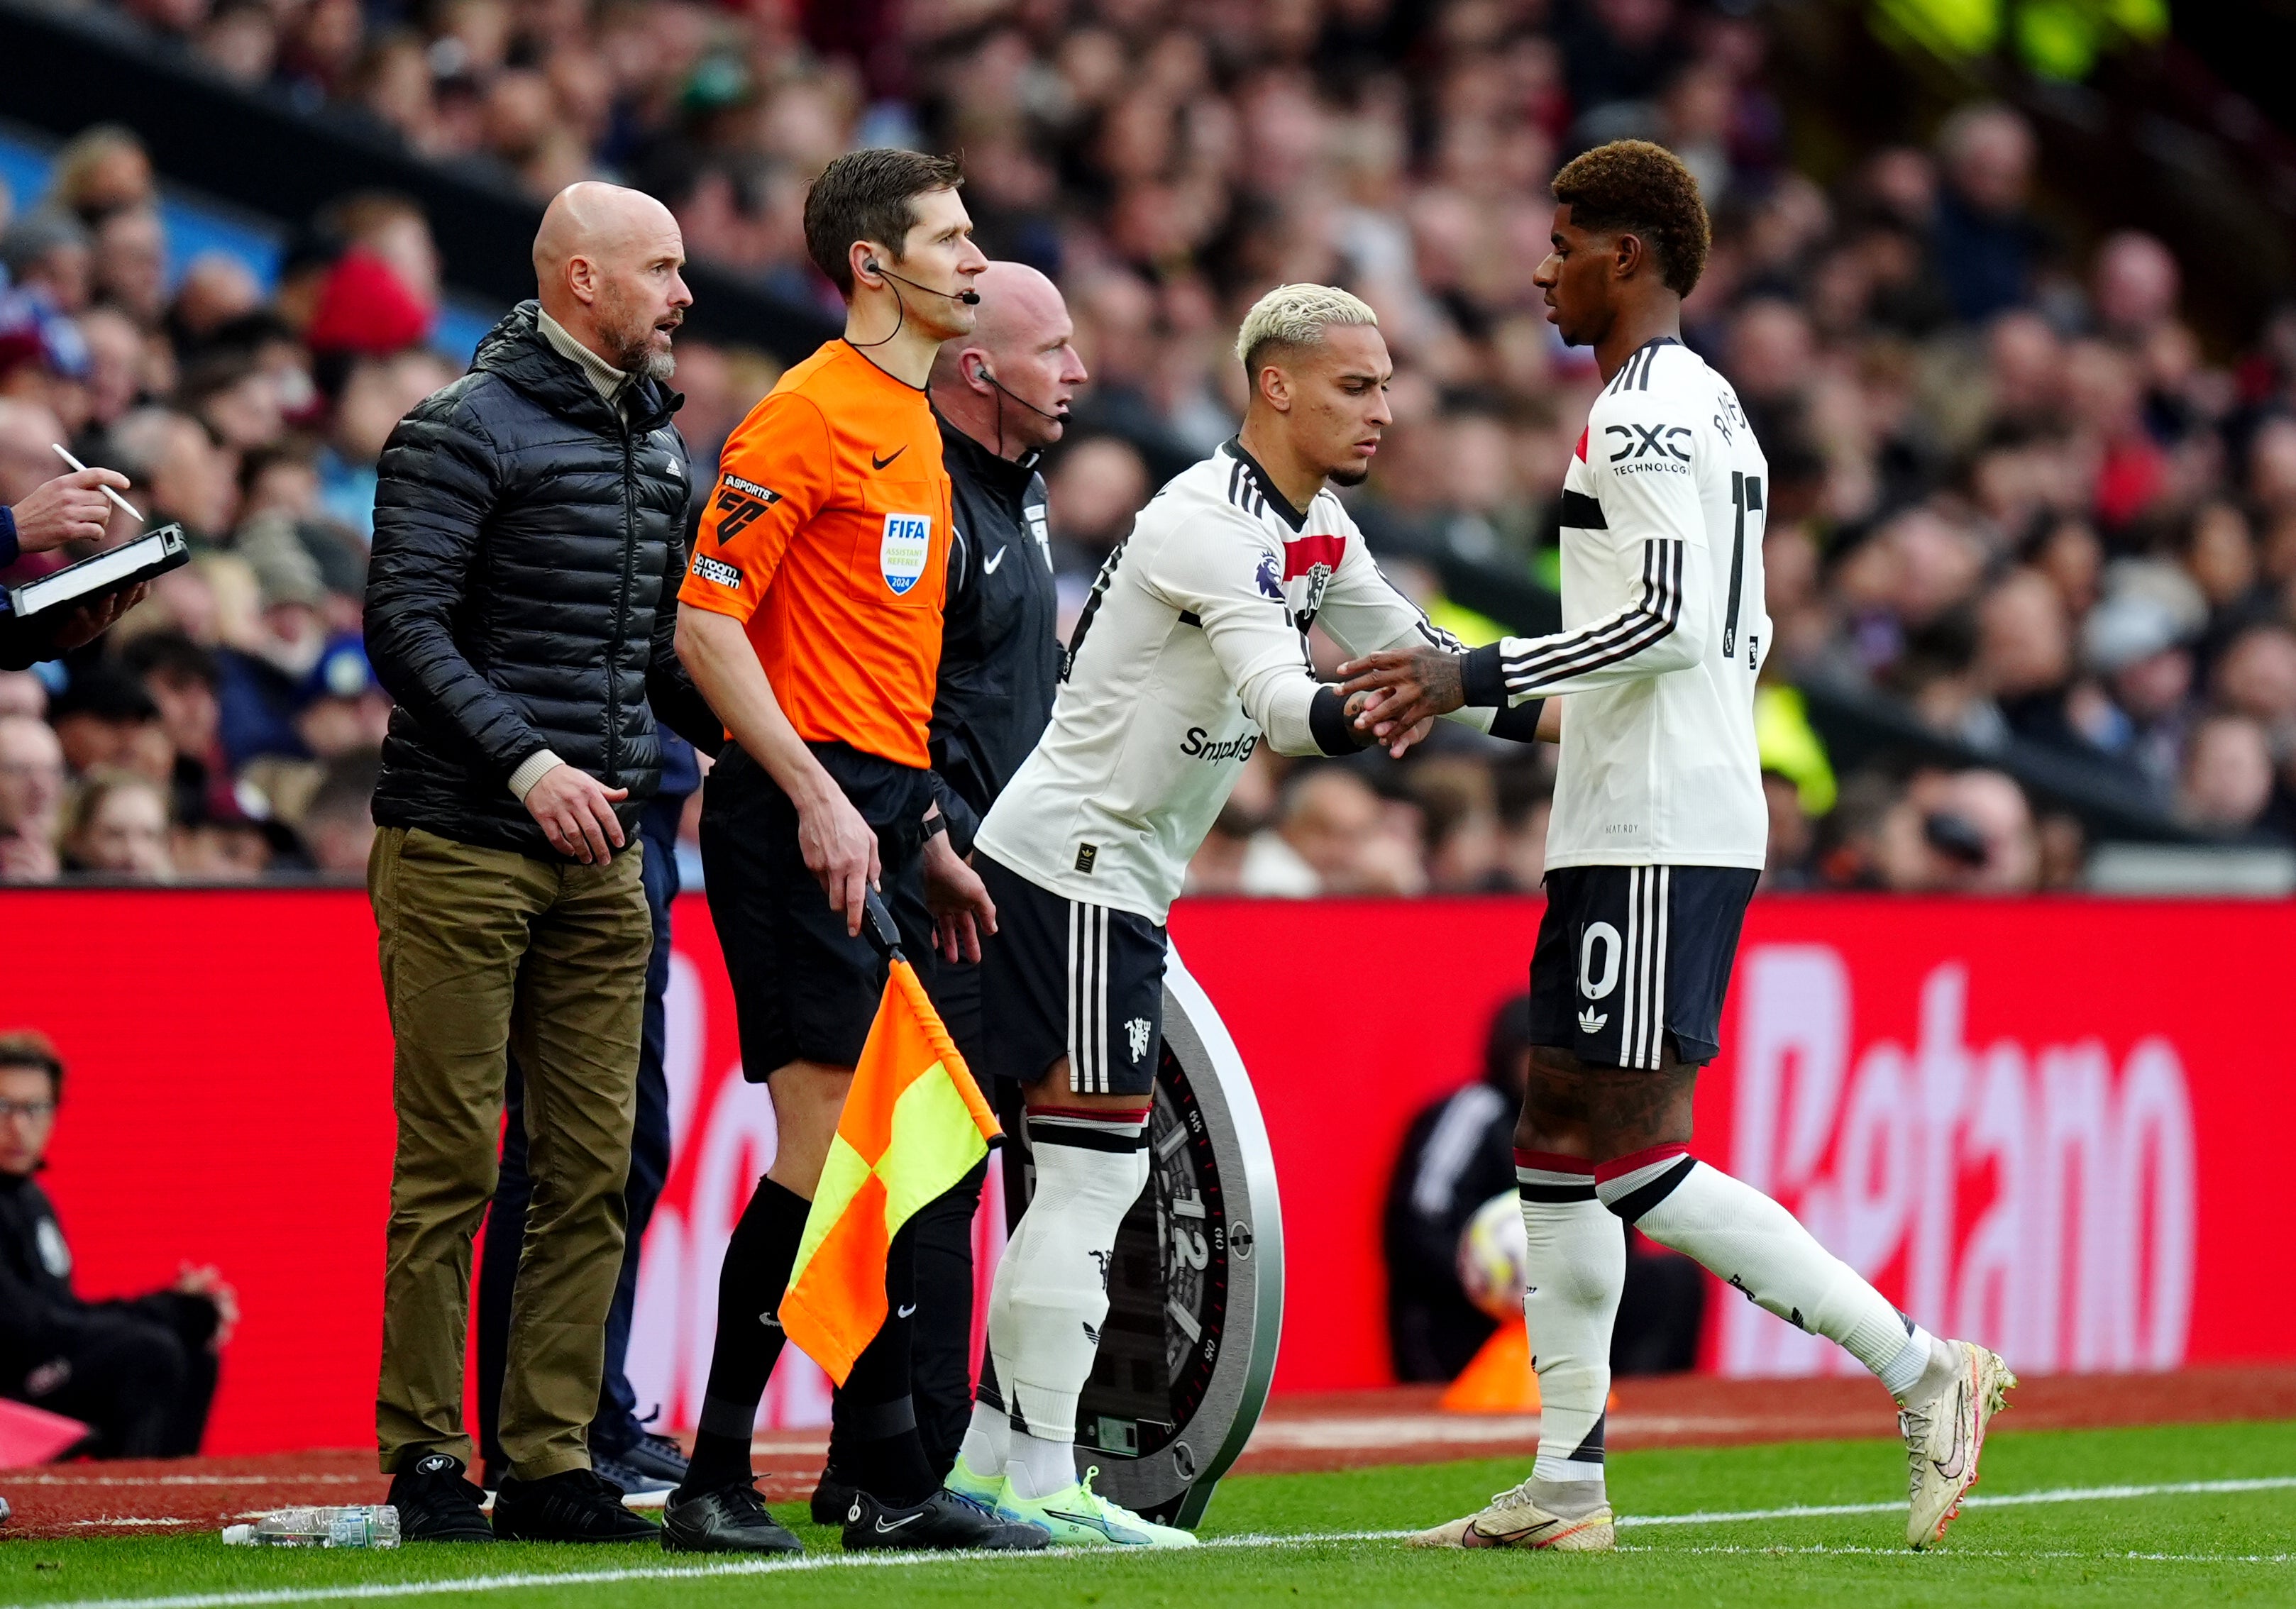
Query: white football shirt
[1663,626]
[1191,651]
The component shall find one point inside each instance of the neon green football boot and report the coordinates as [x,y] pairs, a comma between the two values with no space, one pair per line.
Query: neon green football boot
[1080,1517]
[983,1491]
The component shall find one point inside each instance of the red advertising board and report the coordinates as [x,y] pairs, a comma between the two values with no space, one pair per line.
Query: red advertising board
[2053,1125]
[2047,1124]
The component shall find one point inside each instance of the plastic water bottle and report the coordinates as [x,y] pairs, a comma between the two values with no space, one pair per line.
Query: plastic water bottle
[358,1525]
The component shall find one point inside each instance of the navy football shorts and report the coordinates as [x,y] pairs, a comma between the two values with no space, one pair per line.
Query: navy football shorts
[1632,957]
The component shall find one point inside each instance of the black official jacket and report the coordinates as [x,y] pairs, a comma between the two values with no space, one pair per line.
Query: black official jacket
[43,1321]
[528,544]
[1000,656]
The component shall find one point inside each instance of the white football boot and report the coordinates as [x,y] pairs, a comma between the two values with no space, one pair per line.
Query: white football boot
[1512,1520]
[1945,1434]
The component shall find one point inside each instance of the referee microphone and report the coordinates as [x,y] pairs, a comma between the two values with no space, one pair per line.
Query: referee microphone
[969,298]
[981,373]
[869,265]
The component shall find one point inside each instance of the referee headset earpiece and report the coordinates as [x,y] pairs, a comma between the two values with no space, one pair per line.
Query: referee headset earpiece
[970,297]
[981,376]
[900,308]
[980,373]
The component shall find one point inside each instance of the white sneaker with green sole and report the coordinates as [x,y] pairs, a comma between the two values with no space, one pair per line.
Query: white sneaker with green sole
[1080,1517]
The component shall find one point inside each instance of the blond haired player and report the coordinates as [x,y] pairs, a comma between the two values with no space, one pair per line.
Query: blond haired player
[1191,651]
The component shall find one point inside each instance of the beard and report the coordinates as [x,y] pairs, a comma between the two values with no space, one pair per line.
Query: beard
[1351,475]
[633,335]
[636,354]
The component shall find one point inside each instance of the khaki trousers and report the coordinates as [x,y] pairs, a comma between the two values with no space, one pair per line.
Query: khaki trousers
[488,953]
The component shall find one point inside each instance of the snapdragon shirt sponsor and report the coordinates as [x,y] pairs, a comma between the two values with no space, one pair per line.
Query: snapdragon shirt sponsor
[1191,651]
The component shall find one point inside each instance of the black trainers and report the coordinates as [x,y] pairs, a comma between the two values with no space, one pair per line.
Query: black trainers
[435,1504]
[573,1506]
[732,1519]
[943,1521]
[656,1457]
[832,1499]
[618,1472]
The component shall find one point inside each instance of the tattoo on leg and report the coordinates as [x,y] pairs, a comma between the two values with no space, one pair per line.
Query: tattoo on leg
[1554,1113]
[1633,1111]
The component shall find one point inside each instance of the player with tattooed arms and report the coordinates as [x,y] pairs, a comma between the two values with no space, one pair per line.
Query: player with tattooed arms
[1653,850]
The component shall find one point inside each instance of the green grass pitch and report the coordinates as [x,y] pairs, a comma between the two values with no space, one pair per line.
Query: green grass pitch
[1301,1540]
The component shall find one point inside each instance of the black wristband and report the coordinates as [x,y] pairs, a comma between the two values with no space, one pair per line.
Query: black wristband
[1519,723]
[1482,680]
[937,824]
[1328,724]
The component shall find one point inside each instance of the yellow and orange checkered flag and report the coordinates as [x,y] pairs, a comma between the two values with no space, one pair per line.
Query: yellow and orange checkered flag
[915,1123]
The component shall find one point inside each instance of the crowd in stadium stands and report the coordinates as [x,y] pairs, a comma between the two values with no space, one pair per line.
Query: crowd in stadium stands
[2011,489]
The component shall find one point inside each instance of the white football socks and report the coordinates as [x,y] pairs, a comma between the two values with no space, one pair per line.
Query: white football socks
[1744,1237]
[987,1441]
[1038,1468]
[1574,1271]
[1050,1293]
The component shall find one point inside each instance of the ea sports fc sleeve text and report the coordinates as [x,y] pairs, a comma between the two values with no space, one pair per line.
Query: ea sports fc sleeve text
[776,474]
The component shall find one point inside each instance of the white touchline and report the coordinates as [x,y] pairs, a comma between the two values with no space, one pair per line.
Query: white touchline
[2058,1494]
[868,1561]
[1971,1553]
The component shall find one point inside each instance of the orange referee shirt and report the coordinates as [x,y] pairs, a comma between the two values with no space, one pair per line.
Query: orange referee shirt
[827,536]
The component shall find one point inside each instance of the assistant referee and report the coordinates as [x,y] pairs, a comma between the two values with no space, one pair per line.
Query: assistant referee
[1002,395]
[811,621]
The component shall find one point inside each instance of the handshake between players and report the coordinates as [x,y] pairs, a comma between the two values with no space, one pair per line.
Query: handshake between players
[1199,624]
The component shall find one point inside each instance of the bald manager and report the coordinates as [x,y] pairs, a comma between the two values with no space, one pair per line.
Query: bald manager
[520,607]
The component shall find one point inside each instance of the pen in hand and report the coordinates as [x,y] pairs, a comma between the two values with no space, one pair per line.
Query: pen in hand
[64,454]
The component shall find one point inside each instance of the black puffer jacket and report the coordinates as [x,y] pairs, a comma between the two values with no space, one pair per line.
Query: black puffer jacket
[522,593]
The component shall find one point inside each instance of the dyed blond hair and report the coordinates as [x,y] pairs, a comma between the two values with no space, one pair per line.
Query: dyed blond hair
[1296,315]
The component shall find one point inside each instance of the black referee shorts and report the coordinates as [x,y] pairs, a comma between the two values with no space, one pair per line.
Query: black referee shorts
[956,996]
[804,989]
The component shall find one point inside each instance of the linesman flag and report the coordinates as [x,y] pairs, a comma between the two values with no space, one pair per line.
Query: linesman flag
[914,1124]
